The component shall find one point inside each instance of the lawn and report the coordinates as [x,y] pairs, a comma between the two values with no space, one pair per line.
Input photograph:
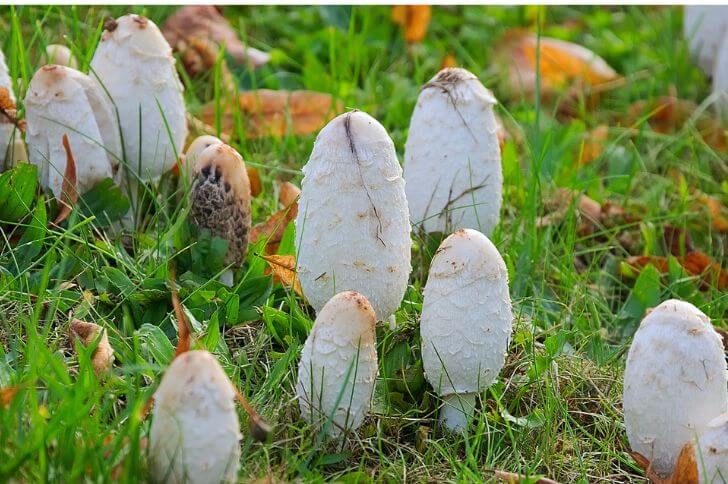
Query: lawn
[555,409]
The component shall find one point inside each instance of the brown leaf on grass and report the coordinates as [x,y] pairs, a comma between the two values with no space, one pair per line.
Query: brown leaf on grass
[513,478]
[86,333]
[6,101]
[593,144]
[562,65]
[288,195]
[183,326]
[256,187]
[669,114]
[197,127]
[283,268]
[414,19]
[8,110]
[677,240]
[273,229]
[7,395]
[207,22]
[684,472]
[69,191]
[716,212]
[266,112]
[695,263]
[560,203]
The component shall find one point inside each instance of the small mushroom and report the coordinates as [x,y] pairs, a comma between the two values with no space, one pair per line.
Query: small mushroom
[220,200]
[60,55]
[62,101]
[352,226]
[674,382]
[134,64]
[466,323]
[195,429]
[452,160]
[87,333]
[338,365]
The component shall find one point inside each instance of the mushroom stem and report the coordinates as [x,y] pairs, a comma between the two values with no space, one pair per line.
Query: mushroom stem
[457,411]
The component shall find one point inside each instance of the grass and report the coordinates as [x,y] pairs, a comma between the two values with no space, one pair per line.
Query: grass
[556,408]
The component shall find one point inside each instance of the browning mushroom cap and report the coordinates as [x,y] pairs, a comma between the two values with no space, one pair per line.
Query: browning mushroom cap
[674,382]
[195,149]
[466,318]
[195,429]
[338,365]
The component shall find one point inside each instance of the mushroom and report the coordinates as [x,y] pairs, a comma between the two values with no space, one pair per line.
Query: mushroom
[352,227]
[338,365]
[452,155]
[62,101]
[704,27]
[194,150]
[195,430]
[134,64]
[87,333]
[720,76]
[60,55]
[466,323]
[12,148]
[220,201]
[712,454]
[674,382]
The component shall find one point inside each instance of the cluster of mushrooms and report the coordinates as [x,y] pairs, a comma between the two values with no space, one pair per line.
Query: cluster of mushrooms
[353,233]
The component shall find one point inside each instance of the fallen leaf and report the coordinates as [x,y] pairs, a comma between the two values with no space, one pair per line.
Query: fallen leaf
[695,263]
[414,19]
[716,211]
[558,206]
[513,478]
[256,187]
[266,112]
[206,22]
[563,65]
[69,192]
[684,472]
[8,110]
[283,268]
[288,195]
[273,228]
[677,240]
[183,326]
[447,61]
[7,395]
[86,333]
[6,101]
[197,127]
[593,144]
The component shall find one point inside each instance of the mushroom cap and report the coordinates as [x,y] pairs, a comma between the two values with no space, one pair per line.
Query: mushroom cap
[466,318]
[195,430]
[62,101]
[135,65]
[342,341]
[674,382]
[228,162]
[59,54]
[712,455]
[195,149]
[704,26]
[452,155]
[352,227]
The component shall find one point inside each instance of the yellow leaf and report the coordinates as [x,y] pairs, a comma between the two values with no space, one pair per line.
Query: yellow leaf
[593,144]
[414,19]
[283,268]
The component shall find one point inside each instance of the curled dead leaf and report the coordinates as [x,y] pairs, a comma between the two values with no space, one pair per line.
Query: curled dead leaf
[87,333]
[183,326]
[8,110]
[283,268]
[266,112]
[272,230]
[256,187]
[695,263]
[69,191]
[288,195]
[414,19]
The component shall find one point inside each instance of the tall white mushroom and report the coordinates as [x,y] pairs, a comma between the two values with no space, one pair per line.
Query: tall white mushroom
[338,365]
[452,156]
[466,323]
[135,65]
[195,430]
[62,101]
[674,382]
[704,27]
[352,225]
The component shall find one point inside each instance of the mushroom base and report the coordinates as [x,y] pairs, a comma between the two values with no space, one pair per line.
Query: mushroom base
[457,411]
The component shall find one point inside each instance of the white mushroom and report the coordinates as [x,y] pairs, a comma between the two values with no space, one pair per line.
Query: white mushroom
[352,225]
[195,430]
[712,454]
[466,323]
[59,101]
[705,26]
[60,55]
[674,382]
[338,365]
[134,64]
[720,76]
[452,155]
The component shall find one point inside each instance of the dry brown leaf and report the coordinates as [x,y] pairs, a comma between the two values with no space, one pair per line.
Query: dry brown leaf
[206,22]
[593,144]
[685,471]
[183,326]
[197,128]
[6,101]
[448,61]
[677,240]
[86,333]
[8,110]
[513,478]
[283,268]
[414,19]
[7,394]
[266,112]
[288,195]
[562,64]
[273,229]
[695,263]
[716,211]
[256,187]
[69,192]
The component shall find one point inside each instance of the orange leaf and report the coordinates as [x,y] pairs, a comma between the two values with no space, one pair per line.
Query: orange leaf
[69,192]
[447,61]
[283,268]
[256,187]
[183,327]
[6,101]
[8,394]
[593,144]
[266,112]
[289,194]
[715,208]
[273,228]
[695,263]
[684,472]
[414,19]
